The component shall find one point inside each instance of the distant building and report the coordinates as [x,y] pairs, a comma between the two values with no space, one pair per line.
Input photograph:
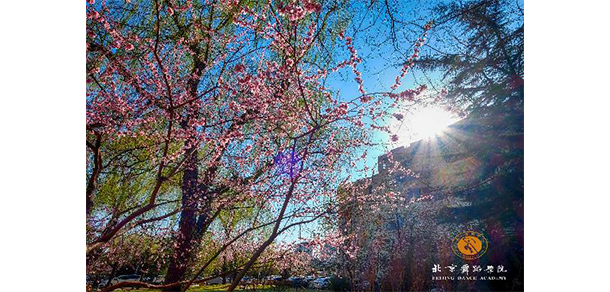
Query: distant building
[466,178]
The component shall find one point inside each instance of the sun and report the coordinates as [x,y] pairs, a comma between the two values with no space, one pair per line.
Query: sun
[421,123]
[430,121]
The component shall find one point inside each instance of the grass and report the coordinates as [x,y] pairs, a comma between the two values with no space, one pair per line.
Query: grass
[220,287]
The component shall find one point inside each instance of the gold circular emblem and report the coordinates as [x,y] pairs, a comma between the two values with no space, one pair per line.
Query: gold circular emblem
[469,245]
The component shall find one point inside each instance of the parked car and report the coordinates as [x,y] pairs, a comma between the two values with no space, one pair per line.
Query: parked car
[308,280]
[91,279]
[273,279]
[296,281]
[320,283]
[103,283]
[158,280]
[96,280]
[125,278]
[90,282]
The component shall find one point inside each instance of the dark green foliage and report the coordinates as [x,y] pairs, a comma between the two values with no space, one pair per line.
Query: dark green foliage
[479,52]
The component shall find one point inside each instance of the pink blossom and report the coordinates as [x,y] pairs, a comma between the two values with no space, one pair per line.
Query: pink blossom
[239,68]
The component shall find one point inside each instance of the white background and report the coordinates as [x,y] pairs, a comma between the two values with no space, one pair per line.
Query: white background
[42,148]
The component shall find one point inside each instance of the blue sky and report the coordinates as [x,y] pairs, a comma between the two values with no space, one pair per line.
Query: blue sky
[379,71]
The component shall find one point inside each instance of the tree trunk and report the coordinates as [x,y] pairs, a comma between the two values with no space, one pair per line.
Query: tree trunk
[195,217]
[186,229]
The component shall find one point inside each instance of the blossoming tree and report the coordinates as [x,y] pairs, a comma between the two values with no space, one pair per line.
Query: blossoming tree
[204,112]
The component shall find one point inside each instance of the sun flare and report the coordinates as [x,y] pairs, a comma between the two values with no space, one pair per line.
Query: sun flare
[421,123]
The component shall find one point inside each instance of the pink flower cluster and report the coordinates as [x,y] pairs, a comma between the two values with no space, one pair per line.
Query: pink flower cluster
[408,95]
[296,12]
[354,61]
[409,63]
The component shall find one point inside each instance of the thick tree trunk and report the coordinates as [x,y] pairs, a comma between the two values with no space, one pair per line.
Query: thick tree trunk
[187,225]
